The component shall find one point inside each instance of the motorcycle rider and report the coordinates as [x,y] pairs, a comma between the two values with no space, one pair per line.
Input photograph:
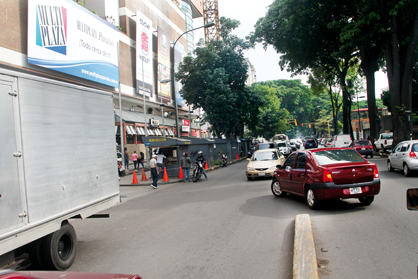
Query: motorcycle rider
[201,158]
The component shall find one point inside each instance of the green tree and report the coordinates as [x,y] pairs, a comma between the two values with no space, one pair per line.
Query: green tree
[273,118]
[215,80]
[308,32]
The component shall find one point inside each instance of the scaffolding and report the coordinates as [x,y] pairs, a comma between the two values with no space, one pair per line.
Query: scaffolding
[210,14]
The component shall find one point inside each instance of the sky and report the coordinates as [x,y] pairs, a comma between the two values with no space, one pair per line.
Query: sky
[264,61]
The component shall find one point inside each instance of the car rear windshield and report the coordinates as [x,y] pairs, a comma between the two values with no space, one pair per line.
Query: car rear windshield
[387,136]
[265,156]
[310,141]
[281,144]
[336,156]
[363,142]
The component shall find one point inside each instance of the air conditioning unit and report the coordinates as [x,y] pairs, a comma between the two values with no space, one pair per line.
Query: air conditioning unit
[154,123]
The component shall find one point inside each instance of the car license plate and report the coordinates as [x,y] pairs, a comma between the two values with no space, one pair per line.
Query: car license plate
[356,190]
[261,174]
[363,148]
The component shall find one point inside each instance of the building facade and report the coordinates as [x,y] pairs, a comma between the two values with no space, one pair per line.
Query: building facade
[127,45]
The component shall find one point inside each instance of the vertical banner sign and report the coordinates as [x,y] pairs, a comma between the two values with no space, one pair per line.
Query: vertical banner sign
[163,64]
[143,55]
[178,58]
[65,37]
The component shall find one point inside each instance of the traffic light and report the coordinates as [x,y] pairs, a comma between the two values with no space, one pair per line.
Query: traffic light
[302,124]
[309,125]
[296,123]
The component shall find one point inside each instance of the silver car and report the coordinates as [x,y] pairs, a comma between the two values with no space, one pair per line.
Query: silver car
[404,156]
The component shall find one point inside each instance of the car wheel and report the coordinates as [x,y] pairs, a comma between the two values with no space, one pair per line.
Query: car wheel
[249,178]
[366,200]
[383,149]
[277,189]
[390,168]
[371,155]
[311,199]
[406,170]
[59,248]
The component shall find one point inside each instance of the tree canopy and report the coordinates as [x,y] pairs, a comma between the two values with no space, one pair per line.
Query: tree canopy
[215,80]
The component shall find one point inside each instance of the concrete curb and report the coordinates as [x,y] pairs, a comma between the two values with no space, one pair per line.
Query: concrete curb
[304,256]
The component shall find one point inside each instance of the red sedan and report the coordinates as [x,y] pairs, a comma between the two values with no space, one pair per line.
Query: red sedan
[327,173]
[364,147]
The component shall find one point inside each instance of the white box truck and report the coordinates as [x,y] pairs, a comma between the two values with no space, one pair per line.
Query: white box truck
[57,162]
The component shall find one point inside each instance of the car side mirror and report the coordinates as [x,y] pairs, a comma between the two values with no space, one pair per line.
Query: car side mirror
[280,167]
[412,199]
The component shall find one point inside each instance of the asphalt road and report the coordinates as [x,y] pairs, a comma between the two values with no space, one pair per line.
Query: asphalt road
[223,227]
[228,227]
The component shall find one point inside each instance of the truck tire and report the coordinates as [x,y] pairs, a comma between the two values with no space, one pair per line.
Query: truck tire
[59,248]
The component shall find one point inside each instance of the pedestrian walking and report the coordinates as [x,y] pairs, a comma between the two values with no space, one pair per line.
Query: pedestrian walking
[141,159]
[135,160]
[126,155]
[154,171]
[185,163]
[160,165]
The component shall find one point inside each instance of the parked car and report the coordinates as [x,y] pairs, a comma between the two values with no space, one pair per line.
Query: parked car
[310,143]
[284,147]
[364,147]
[342,140]
[250,151]
[384,142]
[327,173]
[404,156]
[263,163]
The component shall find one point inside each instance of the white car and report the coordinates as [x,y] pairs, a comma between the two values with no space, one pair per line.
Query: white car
[284,147]
[405,157]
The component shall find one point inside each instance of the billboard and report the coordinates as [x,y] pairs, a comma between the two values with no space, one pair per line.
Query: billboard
[144,75]
[65,37]
[163,64]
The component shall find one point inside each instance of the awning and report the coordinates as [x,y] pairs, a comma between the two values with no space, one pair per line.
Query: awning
[130,130]
[150,132]
[140,131]
[138,117]
[157,132]
[170,132]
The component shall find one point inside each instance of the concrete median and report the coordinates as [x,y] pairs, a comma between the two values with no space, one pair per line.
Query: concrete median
[304,256]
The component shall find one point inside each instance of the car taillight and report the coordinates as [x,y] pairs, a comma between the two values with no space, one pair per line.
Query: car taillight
[327,176]
[375,172]
[412,154]
[386,142]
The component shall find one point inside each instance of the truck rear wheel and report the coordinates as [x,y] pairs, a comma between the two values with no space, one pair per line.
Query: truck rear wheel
[59,248]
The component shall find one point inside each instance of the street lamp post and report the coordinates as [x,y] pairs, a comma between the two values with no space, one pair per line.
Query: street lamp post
[173,85]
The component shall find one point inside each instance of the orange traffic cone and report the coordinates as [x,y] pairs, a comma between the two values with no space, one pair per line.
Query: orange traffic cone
[237,157]
[206,165]
[144,177]
[181,176]
[135,179]
[165,175]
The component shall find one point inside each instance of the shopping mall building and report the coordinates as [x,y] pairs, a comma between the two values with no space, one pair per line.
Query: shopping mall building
[119,46]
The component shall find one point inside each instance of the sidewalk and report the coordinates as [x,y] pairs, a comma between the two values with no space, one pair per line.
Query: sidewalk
[128,178]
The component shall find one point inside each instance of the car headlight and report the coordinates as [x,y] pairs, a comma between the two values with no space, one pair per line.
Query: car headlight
[250,169]
[272,168]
